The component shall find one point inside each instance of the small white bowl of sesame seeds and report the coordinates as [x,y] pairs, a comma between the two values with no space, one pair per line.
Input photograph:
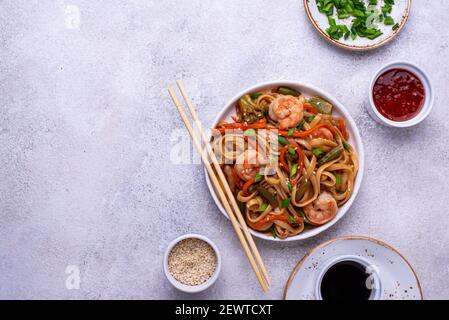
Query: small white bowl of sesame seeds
[192,263]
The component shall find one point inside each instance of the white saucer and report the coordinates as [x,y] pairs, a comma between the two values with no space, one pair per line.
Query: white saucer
[397,277]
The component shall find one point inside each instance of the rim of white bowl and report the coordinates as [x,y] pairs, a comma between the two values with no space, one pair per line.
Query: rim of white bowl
[355,138]
[184,287]
[428,99]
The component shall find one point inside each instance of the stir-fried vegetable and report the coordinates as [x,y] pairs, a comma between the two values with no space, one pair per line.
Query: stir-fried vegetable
[321,105]
[341,125]
[275,217]
[249,111]
[288,91]
[303,185]
[261,124]
[303,134]
[264,193]
[331,155]
[248,184]
[255,95]
[309,108]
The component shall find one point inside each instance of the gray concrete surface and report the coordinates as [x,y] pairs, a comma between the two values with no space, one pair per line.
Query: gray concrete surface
[86,127]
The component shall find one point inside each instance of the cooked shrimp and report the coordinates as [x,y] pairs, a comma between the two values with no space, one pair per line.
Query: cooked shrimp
[248,164]
[322,210]
[287,111]
[323,133]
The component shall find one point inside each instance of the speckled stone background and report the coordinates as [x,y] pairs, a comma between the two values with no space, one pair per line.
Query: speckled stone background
[86,134]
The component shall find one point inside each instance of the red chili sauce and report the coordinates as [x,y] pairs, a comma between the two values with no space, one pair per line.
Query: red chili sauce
[398,94]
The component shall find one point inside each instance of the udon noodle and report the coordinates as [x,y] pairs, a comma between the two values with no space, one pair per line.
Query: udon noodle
[287,160]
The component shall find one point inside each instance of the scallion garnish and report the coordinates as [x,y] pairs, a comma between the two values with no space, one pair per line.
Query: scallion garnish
[317,152]
[273,231]
[310,119]
[293,170]
[338,179]
[263,207]
[291,219]
[282,140]
[285,203]
[258,177]
[291,131]
[291,150]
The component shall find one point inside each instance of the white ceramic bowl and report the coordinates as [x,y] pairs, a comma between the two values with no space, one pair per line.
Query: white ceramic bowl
[355,141]
[428,101]
[181,286]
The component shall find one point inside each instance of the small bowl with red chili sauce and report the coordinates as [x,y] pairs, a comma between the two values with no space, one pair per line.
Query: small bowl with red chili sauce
[400,95]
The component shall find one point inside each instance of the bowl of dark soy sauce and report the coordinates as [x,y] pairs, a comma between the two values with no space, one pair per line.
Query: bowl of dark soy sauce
[348,279]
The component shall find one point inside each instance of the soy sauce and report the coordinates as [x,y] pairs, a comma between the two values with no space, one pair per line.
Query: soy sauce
[345,280]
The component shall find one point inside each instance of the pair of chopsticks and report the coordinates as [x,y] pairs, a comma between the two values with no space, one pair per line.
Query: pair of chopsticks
[228,200]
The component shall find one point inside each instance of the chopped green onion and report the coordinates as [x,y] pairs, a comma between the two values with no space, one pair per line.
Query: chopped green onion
[389,21]
[282,140]
[291,131]
[338,179]
[263,207]
[291,219]
[273,231]
[258,177]
[317,152]
[357,16]
[293,170]
[310,119]
[285,203]
[289,186]
[291,150]
[264,193]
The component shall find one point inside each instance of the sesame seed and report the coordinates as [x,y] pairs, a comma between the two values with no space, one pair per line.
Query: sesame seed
[192,261]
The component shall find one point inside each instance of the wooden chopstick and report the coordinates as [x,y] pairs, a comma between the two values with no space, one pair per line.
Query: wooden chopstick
[216,184]
[225,184]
